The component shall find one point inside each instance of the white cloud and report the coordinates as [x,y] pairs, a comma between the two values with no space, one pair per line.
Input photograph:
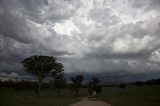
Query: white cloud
[66,28]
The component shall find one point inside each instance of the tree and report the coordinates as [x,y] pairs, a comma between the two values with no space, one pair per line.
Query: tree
[77,82]
[122,85]
[58,75]
[94,86]
[59,82]
[40,66]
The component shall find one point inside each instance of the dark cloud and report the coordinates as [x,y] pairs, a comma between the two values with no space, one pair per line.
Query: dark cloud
[14,26]
[23,35]
[118,38]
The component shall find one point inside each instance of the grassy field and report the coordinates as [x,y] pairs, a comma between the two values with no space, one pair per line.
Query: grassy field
[131,96]
[10,97]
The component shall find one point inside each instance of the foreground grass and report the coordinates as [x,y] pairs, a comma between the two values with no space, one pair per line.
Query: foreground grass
[10,97]
[132,96]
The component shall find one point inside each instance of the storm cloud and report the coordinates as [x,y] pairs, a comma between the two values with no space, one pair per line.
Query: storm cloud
[120,37]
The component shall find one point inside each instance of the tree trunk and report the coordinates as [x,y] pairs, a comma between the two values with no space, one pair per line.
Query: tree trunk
[39,85]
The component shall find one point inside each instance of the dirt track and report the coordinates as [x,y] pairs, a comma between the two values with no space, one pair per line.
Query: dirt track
[86,102]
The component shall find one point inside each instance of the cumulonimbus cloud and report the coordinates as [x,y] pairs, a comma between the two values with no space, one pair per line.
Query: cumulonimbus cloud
[109,35]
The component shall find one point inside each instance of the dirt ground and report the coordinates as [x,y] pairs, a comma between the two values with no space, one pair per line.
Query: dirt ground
[86,102]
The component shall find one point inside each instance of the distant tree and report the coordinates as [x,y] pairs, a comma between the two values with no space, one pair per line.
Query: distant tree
[59,82]
[58,75]
[138,83]
[122,85]
[153,81]
[94,86]
[77,83]
[40,66]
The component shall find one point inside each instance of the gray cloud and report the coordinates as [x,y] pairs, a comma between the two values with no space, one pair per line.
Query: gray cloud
[147,4]
[14,26]
[114,37]
[103,16]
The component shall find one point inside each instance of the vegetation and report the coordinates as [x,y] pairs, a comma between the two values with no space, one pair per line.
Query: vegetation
[11,97]
[77,83]
[19,93]
[122,85]
[59,83]
[40,66]
[94,86]
[146,95]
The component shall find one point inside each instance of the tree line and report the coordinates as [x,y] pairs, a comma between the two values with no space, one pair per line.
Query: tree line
[57,85]
[40,67]
[140,83]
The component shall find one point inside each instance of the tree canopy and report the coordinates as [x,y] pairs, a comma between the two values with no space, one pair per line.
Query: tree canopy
[77,82]
[40,66]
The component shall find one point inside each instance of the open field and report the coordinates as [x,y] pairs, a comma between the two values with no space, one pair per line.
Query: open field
[131,96]
[10,97]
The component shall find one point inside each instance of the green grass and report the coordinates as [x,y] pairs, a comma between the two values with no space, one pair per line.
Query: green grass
[10,97]
[132,96]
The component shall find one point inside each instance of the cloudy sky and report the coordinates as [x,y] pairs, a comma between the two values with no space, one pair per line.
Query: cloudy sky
[115,37]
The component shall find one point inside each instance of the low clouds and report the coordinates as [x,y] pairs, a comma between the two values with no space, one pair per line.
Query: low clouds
[147,4]
[95,36]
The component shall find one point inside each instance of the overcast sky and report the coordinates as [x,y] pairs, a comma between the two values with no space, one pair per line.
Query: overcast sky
[117,37]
